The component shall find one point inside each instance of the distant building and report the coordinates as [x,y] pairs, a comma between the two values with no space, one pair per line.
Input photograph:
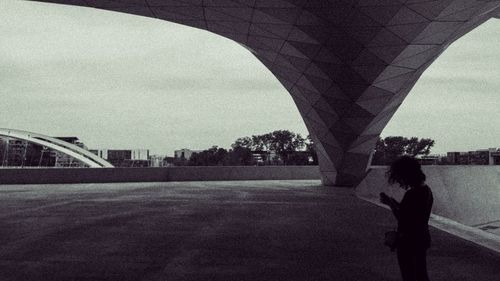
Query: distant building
[259,158]
[266,157]
[64,160]
[489,156]
[452,158]
[494,158]
[73,140]
[117,157]
[160,161]
[458,158]
[479,157]
[124,157]
[156,161]
[430,160]
[168,161]
[14,152]
[185,154]
[22,153]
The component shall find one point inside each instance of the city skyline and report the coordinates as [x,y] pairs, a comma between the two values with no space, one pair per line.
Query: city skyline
[75,71]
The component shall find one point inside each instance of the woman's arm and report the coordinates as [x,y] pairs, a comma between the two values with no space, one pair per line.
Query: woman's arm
[395,207]
[392,203]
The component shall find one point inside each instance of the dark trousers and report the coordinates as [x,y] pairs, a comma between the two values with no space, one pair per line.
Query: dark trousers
[413,264]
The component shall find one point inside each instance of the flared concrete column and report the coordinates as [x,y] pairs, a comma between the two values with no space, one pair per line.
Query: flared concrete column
[350,172]
[327,170]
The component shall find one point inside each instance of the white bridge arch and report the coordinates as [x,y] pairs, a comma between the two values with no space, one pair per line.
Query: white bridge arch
[64,147]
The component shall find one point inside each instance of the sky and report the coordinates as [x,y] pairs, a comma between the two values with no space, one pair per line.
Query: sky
[121,81]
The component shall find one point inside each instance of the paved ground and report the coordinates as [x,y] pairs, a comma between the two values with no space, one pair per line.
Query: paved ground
[294,230]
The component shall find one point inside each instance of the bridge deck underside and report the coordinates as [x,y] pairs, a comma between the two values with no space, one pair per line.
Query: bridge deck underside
[347,64]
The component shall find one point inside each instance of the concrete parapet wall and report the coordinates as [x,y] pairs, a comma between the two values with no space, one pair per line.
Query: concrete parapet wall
[106,175]
[244,173]
[81,175]
[467,194]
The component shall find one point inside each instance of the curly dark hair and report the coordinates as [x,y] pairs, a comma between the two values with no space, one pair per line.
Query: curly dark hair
[406,171]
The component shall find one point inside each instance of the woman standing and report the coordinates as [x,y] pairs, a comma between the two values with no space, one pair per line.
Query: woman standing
[412,214]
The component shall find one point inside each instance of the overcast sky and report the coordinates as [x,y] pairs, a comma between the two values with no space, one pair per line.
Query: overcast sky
[122,81]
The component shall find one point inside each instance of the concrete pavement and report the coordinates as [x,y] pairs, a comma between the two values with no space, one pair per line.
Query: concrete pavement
[256,230]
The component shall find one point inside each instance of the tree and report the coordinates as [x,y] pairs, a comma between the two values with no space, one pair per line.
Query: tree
[213,156]
[245,142]
[281,141]
[262,142]
[310,147]
[394,147]
[379,155]
[389,149]
[417,147]
[239,155]
[298,158]
[284,141]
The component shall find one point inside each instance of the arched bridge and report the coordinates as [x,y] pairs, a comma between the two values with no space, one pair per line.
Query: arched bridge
[67,148]
[348,64]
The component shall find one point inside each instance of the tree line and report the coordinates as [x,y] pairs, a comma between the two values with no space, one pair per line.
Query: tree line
[390,148]
[283,147]
[280,147]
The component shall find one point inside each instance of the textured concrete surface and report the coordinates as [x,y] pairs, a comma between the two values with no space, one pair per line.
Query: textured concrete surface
[268,230]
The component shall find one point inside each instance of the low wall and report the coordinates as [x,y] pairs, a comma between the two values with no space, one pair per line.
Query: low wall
[244,173]
[467,194]
[106,175]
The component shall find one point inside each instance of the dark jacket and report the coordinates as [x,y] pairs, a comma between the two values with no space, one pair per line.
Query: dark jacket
[413,218]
